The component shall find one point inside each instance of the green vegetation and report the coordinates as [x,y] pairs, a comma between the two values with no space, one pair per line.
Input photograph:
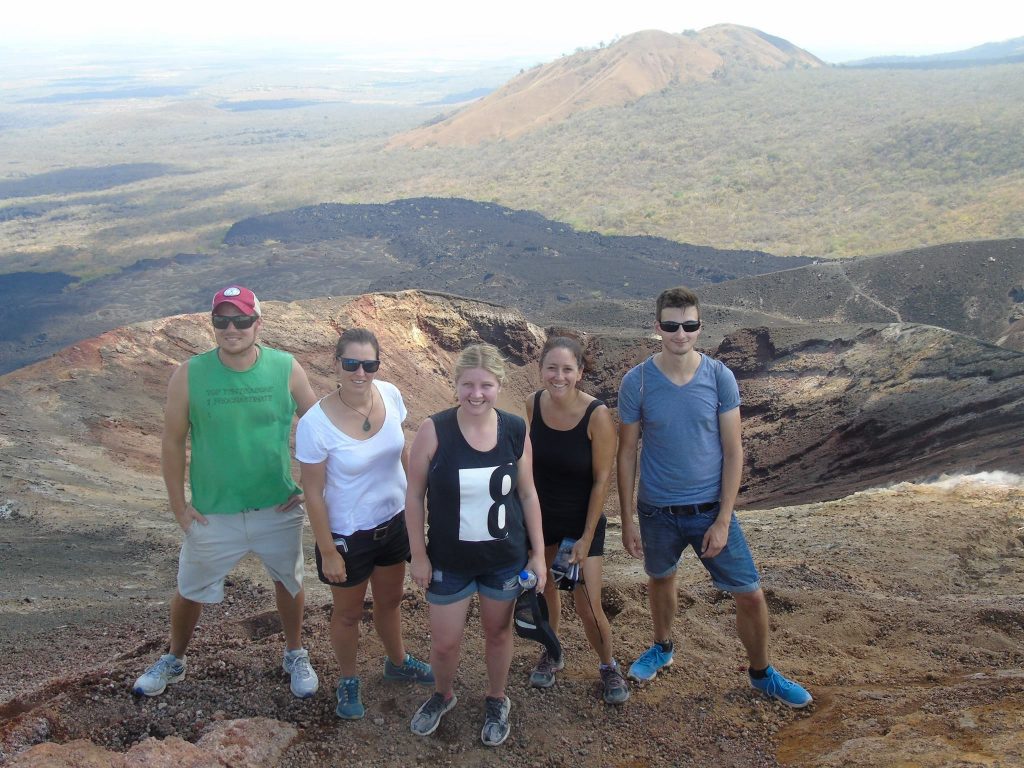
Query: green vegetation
[831,162]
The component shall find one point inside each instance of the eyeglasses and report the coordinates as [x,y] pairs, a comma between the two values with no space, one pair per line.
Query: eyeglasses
[351,364]
[687,325]
[241,322]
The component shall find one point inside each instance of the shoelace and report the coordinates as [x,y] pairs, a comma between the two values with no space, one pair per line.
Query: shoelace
[351,688]
[302,666]
[415,665]
[163,666]
[434,704]
[494,711]
[546,664]
[612,674]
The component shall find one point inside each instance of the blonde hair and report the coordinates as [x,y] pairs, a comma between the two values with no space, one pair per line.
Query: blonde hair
[485,356]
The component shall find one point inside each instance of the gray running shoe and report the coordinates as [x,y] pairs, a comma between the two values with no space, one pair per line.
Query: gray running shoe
[616,689]
[167,669]
[543,675]
[496,726]
[429,715]
[304,682]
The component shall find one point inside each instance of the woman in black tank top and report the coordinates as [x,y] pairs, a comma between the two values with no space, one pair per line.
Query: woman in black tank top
[574,448]
[474,465]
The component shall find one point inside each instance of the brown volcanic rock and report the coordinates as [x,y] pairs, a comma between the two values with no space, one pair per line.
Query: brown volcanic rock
[832,409]
[636,65]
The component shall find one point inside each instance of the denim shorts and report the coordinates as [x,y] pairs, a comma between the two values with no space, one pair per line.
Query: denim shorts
[665,535]
[447,587]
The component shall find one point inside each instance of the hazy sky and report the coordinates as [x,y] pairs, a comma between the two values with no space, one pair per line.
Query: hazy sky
[540,29]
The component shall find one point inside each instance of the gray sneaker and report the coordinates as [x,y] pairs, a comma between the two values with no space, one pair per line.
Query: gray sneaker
[168,669]
[304,682]
[496,726]
[429,715]
[543,675]
[616,689]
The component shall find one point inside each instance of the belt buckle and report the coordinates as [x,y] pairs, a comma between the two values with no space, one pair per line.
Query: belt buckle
[380,533]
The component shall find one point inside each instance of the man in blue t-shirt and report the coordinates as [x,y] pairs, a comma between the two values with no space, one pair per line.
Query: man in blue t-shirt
[686,407]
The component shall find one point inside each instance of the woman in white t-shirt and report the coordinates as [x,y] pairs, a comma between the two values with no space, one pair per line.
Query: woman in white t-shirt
[351,449]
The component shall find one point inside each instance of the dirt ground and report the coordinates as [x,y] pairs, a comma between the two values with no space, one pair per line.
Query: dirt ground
[900,609]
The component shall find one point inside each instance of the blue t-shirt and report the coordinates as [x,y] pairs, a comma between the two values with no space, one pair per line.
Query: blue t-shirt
[681,450]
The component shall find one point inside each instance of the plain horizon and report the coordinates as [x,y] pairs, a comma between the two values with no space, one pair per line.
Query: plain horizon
[463,31]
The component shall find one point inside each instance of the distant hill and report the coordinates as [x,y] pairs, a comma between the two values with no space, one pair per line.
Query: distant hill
[1007,51]
[638,64]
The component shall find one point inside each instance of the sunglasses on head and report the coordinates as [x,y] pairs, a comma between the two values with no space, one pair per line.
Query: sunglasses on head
[687,325]
[351,365]
[241,322]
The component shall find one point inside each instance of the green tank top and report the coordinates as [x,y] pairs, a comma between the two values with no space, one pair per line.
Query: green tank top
[240,423]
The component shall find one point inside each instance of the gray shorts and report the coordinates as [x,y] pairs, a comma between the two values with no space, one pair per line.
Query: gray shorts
[209,552]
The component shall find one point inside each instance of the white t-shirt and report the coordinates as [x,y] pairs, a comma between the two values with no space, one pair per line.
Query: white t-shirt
[365,480]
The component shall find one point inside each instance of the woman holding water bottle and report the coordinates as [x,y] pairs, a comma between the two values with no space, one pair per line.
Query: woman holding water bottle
[474,463]
[574,449]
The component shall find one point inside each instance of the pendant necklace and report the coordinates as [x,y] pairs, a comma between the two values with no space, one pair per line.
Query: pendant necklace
[366,416]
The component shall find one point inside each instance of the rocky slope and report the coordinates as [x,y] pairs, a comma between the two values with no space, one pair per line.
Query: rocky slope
[886,603]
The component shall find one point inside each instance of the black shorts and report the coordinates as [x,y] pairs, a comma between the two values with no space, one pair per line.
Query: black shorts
[556,530]
[362,551]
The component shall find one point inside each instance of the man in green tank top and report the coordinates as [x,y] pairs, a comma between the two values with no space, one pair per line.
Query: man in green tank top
[235,404]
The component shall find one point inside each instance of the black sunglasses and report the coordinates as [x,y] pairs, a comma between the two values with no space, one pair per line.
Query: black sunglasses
[241,322]
[350,364]
[687,325]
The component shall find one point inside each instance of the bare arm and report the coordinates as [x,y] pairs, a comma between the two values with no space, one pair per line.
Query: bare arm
[729,429]
[301,390]
[531,514]
[172,448]
[424,446]
[629,444]
[314,479]
[602,449]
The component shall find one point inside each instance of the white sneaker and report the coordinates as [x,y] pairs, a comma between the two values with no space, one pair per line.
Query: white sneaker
[304,680]
[168,669]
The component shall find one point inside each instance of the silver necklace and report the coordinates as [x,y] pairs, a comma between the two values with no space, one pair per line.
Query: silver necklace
[366,416]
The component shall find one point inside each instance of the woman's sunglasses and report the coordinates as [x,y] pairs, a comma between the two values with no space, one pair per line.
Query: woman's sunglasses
[241,322]
[351,364]
[688,325]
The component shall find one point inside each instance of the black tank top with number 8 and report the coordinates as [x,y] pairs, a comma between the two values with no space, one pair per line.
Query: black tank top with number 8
[473,507]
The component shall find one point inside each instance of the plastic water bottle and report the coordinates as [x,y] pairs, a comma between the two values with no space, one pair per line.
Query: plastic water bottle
[527,579]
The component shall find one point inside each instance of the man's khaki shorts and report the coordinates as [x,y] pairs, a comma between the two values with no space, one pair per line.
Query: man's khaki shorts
[209,552]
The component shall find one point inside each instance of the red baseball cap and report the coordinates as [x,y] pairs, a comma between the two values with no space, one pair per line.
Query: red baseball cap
[239,297]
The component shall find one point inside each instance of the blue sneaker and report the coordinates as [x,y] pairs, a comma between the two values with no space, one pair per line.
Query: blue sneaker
[652,660]
[412,670]
[168,669]
[778,687]
[350,703]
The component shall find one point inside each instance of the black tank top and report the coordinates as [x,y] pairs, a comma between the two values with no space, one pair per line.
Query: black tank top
[473,506]
[563,467]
